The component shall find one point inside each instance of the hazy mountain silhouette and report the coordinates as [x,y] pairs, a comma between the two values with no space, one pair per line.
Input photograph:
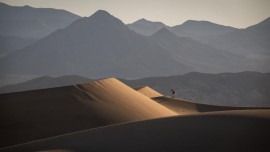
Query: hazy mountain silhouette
[45,82]
[248,41]
[190,28]
[97,46]
[146,27]
[200,29]
[197,56]
[12,43]
[32,22]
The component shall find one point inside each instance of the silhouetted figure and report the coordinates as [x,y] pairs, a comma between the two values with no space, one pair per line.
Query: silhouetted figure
[173,92]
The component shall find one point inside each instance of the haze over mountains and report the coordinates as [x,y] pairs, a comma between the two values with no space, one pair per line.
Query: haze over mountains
[146,27]
[197,56]
[29,22]
[191,28]
[102,46]
[22,26]
[251,42]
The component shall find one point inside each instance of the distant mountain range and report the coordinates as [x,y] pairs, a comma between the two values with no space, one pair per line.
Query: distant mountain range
[146,27]
[200,29]
[251,40]
[231,89]
[191,28]
[197,56]
[103,46]
[97,46]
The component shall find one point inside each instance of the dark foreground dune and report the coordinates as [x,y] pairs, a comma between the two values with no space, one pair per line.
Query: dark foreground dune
[242,130]
[32,115]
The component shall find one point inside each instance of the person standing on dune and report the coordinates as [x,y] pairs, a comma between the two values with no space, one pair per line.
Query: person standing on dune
[173,92]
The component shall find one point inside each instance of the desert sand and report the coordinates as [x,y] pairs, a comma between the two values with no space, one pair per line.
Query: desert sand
[107,115]
[147,91]
[181,106]
[32,115]
[240,130]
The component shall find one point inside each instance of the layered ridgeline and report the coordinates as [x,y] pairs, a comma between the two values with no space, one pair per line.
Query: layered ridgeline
[251,42]
[22,26]
[197,56]
[29,22]
[33,115]
[97,46]
[12,43]
[102,46]
[191,28]
[146,27]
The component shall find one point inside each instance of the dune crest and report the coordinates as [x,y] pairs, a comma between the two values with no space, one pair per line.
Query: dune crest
[147,91]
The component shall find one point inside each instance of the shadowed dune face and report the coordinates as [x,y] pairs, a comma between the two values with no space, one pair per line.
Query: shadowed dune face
[58,150]
[32,115]
[243,130]
[147,91]
[181,106]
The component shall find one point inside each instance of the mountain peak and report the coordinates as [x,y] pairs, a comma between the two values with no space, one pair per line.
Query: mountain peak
[164,32]
[142,21]
[192,22]
[101,13]
[145,21]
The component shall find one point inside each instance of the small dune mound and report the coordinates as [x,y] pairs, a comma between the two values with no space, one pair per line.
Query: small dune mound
[38,114]
[147,91]
[181,106]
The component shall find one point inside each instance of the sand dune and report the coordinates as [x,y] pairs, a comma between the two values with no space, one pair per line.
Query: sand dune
[32,115]
[147,91]
[241,130]
[181,106]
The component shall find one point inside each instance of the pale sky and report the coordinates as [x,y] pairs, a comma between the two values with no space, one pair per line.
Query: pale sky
[236,13]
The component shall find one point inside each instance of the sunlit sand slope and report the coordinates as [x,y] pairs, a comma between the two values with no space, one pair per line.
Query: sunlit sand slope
[147,91]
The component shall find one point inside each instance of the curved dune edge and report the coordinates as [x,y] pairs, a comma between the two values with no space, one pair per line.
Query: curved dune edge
[181,106]
[38,114]
[211,131]
[147,91]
